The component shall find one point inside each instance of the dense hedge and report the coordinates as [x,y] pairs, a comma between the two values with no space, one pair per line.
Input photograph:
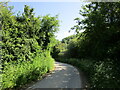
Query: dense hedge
[19,73]
[26,45]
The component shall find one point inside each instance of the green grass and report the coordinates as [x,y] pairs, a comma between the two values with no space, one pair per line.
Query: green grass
[16,74]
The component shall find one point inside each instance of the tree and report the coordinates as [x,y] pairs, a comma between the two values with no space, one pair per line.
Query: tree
[102,33]
[67,39]
[25,36]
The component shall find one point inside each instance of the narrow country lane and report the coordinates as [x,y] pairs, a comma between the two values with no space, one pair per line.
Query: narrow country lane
[64,76]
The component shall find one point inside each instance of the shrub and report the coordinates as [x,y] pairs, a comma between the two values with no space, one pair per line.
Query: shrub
[20,73]
[100,74]
[26,44]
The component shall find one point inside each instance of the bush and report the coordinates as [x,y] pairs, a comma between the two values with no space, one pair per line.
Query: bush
[20,73]
[105,75]
[26,44]
[100,74]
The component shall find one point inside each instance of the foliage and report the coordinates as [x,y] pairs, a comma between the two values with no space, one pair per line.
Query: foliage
[72,49]
[101,35]
[55,50]
[19,73]
[26,34]
[100,74]
[68,39]
[67,48]
[26,45]
[99,43]
[58,49]
[105,75]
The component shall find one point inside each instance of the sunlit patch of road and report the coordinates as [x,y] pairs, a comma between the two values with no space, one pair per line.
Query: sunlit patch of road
[64,76]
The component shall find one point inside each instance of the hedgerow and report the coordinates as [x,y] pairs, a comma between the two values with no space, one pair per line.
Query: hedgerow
[19,73]
[26,45]
[99,74]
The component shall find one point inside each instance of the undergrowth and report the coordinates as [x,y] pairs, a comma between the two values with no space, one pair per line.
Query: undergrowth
[102,74]
[16,74]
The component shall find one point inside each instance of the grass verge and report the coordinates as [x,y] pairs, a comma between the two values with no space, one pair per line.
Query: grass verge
[17,74]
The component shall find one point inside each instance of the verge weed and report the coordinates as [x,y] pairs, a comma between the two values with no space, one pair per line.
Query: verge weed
[17,74]
[100,74]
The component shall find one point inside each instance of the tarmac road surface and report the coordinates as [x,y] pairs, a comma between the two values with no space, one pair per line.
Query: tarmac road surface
[64,76]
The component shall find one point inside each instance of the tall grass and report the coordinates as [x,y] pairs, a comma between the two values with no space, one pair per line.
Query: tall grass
[19,73]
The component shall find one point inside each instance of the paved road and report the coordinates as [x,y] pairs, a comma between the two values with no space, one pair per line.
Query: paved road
[64,76]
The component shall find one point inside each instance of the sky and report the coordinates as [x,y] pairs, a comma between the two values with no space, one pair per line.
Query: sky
[66,11]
